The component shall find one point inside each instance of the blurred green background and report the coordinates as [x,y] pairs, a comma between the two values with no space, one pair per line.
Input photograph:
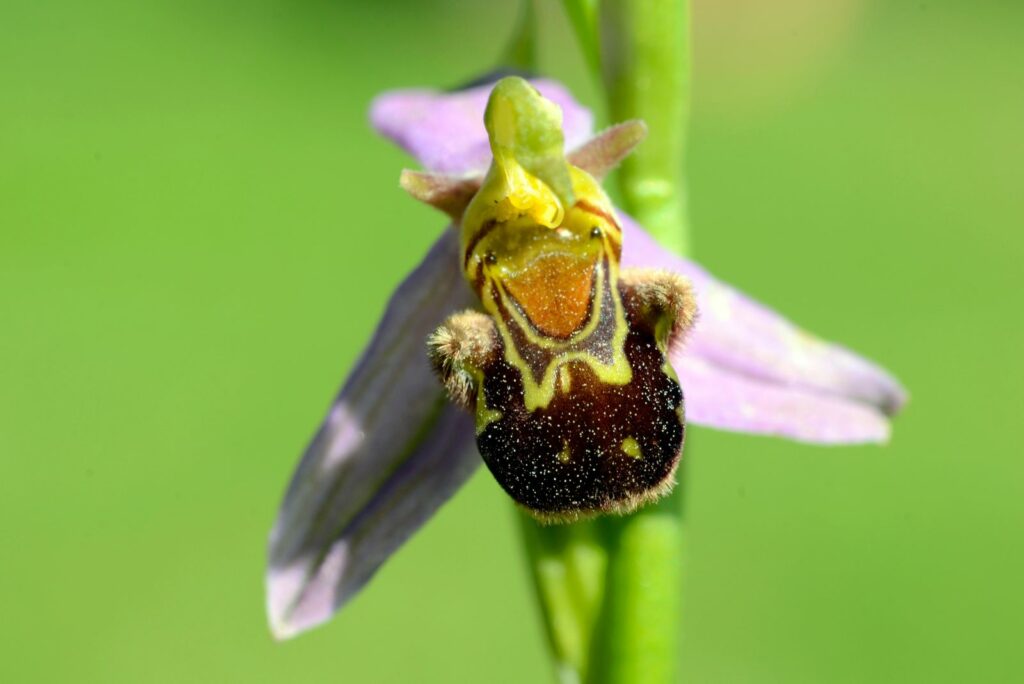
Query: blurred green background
[198,231]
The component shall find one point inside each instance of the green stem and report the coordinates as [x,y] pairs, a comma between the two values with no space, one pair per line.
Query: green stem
[645,65]
[645,60]
[583,17]
[569,566]
[521,49]
[638,636]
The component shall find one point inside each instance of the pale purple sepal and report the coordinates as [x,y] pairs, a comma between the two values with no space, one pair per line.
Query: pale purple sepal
[746,368]
[389,453]
[720,398]
[445,130]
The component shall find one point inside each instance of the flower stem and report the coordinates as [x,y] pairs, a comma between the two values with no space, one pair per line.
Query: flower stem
[638,636]
[583,17]
[569,566]
[521,49]
[645,64]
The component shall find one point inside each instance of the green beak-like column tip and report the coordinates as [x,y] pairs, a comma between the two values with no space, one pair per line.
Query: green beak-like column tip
[526,129]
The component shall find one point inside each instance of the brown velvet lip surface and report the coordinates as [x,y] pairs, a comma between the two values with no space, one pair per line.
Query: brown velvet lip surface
[526,451]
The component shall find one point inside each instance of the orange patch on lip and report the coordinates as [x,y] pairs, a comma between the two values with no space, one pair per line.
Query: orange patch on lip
[554,293]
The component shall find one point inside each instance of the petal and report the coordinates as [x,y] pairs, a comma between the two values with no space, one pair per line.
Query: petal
[445,130]
[721,398]
[450,194]
[761,350]
[390,451]
[602,153]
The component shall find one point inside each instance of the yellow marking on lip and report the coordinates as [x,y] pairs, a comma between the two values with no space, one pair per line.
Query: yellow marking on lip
[485,415]
[564,455]
[539,394]
[631,448]
[565,379]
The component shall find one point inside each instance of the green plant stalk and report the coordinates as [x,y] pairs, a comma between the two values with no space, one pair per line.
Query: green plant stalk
[645,65]
[637,638]
[521,49]
[583,17]
[569,567]
[611,590]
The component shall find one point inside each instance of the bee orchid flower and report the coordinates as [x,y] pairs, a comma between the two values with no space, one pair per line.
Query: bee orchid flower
[392,449]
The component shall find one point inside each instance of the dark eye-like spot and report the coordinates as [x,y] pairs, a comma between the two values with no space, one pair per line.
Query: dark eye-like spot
[595,232]
[491,258]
